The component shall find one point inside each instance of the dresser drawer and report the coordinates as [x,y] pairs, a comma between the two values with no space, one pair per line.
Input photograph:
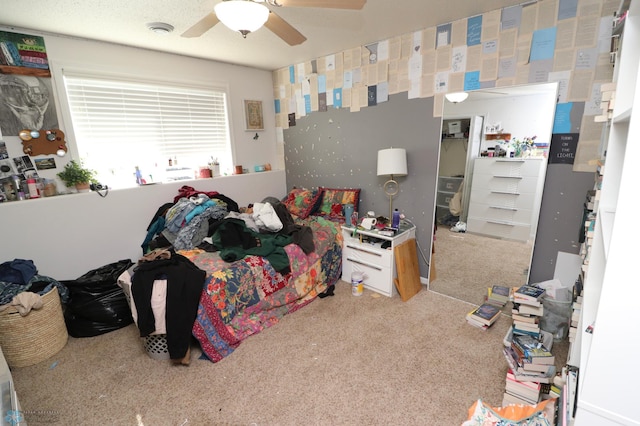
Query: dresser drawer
[502,184]
[516,201]
[513,231]
[507,167]
[501,214]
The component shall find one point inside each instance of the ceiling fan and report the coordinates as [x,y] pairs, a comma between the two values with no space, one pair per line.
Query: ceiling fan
[236,15]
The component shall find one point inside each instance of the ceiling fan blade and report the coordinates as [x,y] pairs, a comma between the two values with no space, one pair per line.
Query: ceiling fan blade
[284,30]
[329,4]
[202,26]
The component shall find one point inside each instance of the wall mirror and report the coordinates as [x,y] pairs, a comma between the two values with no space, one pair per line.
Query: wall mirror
[488,193]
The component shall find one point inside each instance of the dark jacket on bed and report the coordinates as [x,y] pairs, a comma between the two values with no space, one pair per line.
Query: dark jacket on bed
[184,286]
[235,241]
[301,235]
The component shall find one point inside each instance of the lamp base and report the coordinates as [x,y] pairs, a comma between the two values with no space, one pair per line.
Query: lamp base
[391,188]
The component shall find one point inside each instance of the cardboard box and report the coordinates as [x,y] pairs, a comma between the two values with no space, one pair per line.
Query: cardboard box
[455,127]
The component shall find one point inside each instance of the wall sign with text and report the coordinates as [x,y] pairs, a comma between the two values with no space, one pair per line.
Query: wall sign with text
[563,148]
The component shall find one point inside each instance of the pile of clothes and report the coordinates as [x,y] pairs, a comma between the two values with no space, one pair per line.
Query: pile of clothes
[213,222]
[166,286]
[21,286]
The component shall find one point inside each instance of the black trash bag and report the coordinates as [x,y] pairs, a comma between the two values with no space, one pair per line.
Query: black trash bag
[97,305]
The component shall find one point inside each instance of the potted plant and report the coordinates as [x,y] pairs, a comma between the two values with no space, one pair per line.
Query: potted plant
[522,147]
[76,175]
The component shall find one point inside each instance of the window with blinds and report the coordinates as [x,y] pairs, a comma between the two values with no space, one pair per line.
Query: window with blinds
[166,132]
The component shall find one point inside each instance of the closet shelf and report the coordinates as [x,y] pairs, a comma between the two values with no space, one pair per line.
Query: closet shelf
[497,136]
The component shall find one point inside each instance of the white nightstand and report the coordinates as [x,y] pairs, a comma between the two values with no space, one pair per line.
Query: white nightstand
[364,253]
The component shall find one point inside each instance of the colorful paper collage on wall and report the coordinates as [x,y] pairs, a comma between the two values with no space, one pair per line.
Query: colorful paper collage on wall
[564,41]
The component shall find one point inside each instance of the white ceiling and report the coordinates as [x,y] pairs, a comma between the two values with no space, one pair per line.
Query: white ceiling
[327,30]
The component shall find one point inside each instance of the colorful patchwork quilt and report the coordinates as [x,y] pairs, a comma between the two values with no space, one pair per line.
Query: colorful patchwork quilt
[246,296]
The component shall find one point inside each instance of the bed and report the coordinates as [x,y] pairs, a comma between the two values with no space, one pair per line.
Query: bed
[242,297]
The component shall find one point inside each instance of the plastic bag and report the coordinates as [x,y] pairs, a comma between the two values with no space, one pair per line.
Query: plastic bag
[483,414]
[97,304]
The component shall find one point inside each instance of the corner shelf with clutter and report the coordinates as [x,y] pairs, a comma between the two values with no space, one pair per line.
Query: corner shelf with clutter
[609,299]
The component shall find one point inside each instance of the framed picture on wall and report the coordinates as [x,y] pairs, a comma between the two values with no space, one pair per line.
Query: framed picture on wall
[253,115]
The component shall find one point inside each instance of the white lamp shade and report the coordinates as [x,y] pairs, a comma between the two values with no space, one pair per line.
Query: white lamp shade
[456,97]
[242,15]
[392,161]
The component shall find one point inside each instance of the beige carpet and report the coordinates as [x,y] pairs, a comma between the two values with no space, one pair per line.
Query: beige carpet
[467,264]
[342,360]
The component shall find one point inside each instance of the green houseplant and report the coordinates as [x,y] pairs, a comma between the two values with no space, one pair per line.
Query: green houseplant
[74,174]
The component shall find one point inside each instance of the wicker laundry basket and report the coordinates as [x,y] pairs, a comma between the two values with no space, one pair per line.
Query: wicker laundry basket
[35,337]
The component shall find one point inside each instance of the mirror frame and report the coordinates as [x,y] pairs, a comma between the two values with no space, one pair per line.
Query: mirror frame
[451,112]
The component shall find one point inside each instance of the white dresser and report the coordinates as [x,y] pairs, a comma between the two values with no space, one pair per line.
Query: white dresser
[505,197]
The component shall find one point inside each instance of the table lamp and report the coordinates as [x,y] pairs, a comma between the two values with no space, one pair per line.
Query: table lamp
[392,162]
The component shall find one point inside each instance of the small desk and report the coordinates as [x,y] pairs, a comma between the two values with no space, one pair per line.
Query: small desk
[364,253]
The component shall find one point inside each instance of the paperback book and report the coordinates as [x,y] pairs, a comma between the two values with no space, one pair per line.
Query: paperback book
[529,295]
[524,309]
[532,349]
[530,319]
[529,391]
[537,377]
[499,295]
[485,314]
[509,399]
[525,328]
[476,324]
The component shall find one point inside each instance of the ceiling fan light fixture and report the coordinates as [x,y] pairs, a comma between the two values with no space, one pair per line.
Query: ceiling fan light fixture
[161,28]
[456,97]
[244,16]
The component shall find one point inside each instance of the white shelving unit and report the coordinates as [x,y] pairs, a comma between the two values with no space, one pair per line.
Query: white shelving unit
[609,374]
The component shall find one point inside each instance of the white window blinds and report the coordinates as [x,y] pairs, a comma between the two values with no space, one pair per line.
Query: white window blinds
[120,125]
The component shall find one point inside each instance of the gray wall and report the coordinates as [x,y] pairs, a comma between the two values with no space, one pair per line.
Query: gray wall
[338,149]
[561,219]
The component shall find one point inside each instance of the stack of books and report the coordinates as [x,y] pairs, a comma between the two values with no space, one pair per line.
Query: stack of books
[527,310]
[529,295]
[483,316]
[498,295]
[531,373]
[517,392]
[575,318]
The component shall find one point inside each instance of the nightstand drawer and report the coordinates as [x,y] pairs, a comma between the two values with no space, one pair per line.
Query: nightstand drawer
[376,278]
[368,253]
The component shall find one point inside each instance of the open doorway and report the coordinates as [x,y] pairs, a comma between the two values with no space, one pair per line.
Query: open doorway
[458,147]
